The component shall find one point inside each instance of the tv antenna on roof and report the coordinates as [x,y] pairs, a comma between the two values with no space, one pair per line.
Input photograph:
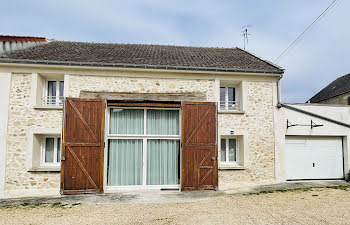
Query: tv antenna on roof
[245,34]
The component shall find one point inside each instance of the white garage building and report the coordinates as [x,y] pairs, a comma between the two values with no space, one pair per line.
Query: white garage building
[316,142]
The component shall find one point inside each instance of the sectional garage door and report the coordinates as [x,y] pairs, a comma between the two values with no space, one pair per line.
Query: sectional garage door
[314,158]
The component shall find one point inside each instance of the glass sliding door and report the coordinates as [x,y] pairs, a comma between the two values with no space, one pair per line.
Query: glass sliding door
[143,147]
[124,162]
[163,162]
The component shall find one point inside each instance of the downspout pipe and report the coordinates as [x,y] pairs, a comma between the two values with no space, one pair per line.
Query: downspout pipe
[279,91]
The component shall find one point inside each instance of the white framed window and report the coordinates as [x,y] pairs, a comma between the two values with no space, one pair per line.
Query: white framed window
[228,151]
[51,151]
[143,147]
[53,92]
[228,98]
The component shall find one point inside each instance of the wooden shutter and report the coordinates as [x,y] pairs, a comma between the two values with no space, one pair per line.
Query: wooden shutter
[83,146]
[199,146]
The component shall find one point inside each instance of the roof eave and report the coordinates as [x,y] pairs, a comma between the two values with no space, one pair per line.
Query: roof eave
[142,66]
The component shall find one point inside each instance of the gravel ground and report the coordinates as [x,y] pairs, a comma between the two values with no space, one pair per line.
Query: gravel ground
[316,206]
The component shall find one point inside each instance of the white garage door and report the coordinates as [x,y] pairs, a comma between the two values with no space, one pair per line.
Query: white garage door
[314,158]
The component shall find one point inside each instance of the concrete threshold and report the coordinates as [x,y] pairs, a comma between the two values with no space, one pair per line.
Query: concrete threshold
[158,196]
[120,197]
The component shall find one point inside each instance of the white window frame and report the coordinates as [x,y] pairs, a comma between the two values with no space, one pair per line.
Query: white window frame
[56,161]
[236,106]
[58,101]
[144,137]
[227,162]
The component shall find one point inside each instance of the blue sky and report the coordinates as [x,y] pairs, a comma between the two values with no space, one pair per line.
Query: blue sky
[322,56]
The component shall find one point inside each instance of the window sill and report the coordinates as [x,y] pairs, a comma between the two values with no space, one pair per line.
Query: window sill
[232,167]
[223,111]
[45,169]
[49,107]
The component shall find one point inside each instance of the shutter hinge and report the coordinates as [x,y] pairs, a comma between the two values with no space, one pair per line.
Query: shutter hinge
[63,158]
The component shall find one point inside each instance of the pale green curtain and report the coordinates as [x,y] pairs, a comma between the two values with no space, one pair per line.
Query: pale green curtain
[49,150]
[163,122]
[124,162]
[162,162]
[126,121]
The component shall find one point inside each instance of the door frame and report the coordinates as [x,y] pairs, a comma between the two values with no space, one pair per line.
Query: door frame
[111,189]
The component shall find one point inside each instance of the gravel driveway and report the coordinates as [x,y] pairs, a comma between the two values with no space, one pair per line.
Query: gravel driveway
[316,206]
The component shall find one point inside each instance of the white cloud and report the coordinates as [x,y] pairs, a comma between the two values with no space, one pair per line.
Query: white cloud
[318,59]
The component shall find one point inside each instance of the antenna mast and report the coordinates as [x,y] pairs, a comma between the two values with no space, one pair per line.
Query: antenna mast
[245,34]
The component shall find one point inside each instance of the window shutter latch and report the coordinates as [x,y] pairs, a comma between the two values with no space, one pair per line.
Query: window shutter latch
[213,158]
[63,158]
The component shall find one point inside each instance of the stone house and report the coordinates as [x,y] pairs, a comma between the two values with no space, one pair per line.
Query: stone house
[337,92]
[89,117]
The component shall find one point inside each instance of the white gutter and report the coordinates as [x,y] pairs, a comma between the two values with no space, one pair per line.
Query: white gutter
[141,66]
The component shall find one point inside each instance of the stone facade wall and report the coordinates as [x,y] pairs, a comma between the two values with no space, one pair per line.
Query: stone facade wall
[341,99]
[257,121]
[79,83]
[22,118]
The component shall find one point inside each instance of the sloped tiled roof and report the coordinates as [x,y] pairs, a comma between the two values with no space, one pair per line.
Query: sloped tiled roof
[142,55]
[338,87]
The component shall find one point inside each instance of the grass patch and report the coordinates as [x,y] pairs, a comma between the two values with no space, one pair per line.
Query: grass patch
[341,187]
[74,204]
[58,205]
[25,203]
[165,220]
[281,191]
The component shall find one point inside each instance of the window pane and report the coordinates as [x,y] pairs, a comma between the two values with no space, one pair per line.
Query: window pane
[126,121]
[49,150]
[61,88]
[163,122]
[223,150]
[222,97]
[232,150]
[51,90]
[163,162]
[124,162]
[58,149]
[231,97]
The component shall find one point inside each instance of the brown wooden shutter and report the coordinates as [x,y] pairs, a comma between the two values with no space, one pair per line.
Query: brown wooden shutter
[199,146]
[83,146]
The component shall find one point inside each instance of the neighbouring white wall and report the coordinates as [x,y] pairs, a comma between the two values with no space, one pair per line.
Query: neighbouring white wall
[336,112]
[5,82]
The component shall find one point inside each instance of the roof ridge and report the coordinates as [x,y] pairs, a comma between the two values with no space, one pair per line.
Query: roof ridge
[145,44]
